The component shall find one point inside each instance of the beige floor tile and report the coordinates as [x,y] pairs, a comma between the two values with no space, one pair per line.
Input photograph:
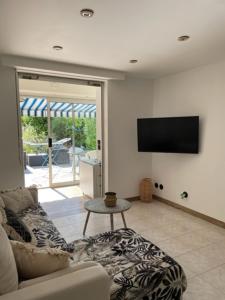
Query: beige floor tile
[70,220]
[155,234]
[214,252]
[173,247]
[213,233]
[189,274]
[176,229]
[184,243]
[192,223]
[201,290]
[202,260]
[76,236]
[216,277]
[70,191]
[194,240]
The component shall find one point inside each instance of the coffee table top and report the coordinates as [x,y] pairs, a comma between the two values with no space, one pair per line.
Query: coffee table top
[98,206]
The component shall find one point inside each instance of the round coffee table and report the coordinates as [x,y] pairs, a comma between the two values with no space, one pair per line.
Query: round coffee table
[98,206]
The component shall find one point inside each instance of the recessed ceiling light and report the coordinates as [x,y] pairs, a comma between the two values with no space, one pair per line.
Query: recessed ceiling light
[133,61]
[87,12]
[183,38]
[57,47]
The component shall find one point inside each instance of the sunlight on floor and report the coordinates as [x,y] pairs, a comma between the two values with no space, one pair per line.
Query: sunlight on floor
[40,175]
[61,193]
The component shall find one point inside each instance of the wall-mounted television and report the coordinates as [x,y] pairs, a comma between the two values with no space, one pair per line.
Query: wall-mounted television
[170,135]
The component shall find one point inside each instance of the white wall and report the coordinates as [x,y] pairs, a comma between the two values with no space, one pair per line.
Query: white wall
[11,173]
[127,101]
[200,92]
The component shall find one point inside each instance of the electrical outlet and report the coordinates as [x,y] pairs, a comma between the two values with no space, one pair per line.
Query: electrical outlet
[161,187]
[184,195]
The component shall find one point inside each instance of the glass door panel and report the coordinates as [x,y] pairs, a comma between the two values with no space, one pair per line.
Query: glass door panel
[61,133]
[34,123]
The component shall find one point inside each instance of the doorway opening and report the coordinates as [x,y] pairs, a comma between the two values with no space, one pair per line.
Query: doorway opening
[61,130]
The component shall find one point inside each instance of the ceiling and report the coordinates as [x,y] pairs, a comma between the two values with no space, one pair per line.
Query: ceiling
[120,30]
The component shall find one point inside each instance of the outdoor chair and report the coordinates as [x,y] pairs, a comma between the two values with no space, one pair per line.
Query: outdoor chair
[60,153]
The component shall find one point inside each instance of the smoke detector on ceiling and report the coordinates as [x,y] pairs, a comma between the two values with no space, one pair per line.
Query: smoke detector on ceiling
[87,12]
[133,61]
[57,48]
[183,38]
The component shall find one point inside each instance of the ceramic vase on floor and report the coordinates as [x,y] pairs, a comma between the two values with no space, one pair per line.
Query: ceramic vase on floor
[146,190]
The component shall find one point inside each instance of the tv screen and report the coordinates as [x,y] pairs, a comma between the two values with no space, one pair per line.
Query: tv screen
[170,135]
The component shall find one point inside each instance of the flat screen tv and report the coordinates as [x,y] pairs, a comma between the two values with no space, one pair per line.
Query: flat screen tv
[170,135]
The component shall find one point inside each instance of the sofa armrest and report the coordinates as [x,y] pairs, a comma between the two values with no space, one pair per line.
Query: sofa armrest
[74,267]
[91,283]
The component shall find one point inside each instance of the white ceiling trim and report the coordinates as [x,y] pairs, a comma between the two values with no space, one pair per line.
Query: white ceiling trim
[52,68]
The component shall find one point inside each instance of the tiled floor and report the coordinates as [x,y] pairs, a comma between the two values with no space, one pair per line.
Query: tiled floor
[40,175]
[60,193]
[197,245]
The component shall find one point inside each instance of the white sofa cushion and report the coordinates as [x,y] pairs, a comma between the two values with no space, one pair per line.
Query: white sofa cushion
[11,233]
[33,262]
[3,217]
[17,200]
[74,267]
[8,271]
[2,204]
[34,192]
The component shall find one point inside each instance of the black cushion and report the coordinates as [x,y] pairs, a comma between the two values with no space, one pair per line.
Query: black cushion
[18,225]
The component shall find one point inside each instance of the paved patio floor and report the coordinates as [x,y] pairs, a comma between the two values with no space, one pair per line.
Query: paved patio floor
[40,175]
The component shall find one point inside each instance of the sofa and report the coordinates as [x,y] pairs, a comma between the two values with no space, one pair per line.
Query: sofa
[114,265]
[87,280]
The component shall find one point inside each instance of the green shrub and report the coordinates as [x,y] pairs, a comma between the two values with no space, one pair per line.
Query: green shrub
[30,135]
[35,129]
[40,124]
[90,134]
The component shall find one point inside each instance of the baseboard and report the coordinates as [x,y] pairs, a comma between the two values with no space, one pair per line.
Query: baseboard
[191,211]
[136,198]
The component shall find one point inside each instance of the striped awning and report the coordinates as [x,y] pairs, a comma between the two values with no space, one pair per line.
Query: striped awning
[38,107]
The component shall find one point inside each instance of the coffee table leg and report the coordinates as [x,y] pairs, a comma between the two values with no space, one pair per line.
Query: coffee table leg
[124,221]
[86,222]
[111,222]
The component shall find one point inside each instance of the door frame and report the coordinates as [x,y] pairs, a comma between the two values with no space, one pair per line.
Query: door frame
[29,74]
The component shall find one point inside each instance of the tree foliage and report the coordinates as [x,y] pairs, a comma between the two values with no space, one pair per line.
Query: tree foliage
[35,129]
[39,124]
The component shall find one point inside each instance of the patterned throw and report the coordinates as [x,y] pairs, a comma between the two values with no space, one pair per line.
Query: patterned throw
[19,227]
[43,231]
[139,269]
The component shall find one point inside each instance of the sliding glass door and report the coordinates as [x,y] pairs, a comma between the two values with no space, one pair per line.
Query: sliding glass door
[59,129]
